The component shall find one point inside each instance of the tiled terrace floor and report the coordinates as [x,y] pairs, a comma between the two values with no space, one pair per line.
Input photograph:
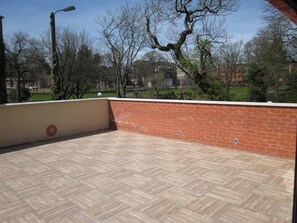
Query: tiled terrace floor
[124,177]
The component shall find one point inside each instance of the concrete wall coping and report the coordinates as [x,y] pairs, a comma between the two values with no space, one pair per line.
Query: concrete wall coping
[51,102]
[252,104]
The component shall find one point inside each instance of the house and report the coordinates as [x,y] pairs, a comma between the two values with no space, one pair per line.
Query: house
[152,73]
[237,78]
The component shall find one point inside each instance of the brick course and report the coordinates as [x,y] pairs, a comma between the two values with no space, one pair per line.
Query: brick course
[262,129]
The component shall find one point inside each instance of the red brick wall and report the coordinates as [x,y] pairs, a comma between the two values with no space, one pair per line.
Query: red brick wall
[262,129]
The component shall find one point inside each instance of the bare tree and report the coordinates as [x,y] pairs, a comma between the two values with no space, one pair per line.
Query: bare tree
[3,93]
[230,57]
[187,14]
[268,52]
[124,36]
[40,54]
[78,61]
[17,49]
[278,23]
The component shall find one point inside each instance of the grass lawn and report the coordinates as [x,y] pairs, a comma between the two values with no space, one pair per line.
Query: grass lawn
[151,92]
[237,93]
[47,96]
[104,94]
[41,97]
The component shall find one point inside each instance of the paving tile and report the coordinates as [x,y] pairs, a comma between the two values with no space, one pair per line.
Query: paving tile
[207,206]
[88,199]
[136,198]
[62,209]
[14,210]
[108,210]
[160,209]
[42,201]
[180,196]
[226,194]
[131,217]
[242,185]
[118,177]
[237,214]
[258,203]
[188,216]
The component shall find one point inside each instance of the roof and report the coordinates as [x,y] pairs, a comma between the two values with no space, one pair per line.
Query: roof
[288,7]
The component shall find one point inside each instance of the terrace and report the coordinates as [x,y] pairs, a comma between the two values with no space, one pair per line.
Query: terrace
[84,170]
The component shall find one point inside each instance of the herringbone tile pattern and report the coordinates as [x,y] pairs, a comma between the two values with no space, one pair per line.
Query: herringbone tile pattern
[118,177]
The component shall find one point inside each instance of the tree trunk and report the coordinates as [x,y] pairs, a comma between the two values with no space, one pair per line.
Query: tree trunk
[3,93]
[77,90]
[19,88]
[123,92]
[119,92]
[121,85]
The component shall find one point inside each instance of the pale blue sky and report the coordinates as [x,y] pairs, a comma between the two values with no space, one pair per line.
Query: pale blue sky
[32,16]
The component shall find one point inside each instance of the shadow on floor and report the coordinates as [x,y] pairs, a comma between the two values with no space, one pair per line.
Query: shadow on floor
[49,141]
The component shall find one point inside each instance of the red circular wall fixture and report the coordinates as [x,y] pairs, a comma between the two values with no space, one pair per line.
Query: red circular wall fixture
[51,130]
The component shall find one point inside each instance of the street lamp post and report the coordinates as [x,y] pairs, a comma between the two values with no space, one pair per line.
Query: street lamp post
[55,76]
[3,93]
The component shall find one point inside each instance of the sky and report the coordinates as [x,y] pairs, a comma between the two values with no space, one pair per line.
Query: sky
[32,16]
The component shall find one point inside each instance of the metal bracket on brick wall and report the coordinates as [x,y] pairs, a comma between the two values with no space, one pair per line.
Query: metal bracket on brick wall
[179,132]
